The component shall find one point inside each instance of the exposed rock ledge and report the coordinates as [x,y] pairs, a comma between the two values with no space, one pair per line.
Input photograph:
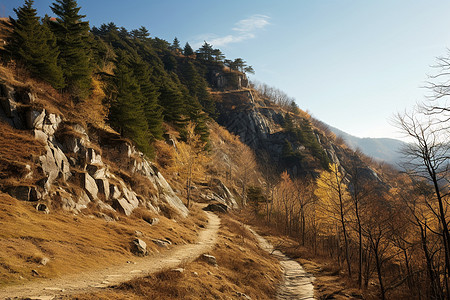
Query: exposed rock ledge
[75,171]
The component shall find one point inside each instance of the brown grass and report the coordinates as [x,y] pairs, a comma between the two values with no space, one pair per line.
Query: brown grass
[242,268]
[75,243]
[17,149]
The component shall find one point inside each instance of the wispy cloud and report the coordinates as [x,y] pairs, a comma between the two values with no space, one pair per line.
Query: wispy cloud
[243,30]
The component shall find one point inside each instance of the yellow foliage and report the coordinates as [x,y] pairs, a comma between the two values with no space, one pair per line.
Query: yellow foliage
[333,198]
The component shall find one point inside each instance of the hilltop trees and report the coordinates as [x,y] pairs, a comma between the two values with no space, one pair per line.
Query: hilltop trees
[34,45]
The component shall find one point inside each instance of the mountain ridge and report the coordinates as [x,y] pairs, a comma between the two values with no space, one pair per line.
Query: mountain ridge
[380,149]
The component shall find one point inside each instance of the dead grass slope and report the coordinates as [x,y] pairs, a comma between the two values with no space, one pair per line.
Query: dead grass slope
[77,243]
[243,268]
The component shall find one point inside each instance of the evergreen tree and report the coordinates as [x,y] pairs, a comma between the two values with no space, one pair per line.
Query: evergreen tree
[205,52]
[142,33]
[34,45]
[218,55]
[187,51]
[150,94]
[127,113]
[171,99]
[197,87]
[175,45]
[72,39]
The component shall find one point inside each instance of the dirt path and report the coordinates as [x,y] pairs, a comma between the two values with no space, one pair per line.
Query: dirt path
[297,283]
[49,288]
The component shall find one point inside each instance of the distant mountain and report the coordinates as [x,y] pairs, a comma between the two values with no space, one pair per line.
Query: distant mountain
[381,149]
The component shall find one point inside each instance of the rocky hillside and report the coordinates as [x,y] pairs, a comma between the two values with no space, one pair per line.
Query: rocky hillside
[286,139]
[77,167]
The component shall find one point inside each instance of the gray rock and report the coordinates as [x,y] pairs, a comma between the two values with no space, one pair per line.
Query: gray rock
[83,199]
[106,217]
[114,191]
[92,158]
[35,119]
[90,186]
[139,247]
[34,194]
[209,259]
[40,136]
[138,233]
[123,206]
[168,196]
[54,163]
[130,196]
[162,243]
[48,129]
[61,161]
[177,270]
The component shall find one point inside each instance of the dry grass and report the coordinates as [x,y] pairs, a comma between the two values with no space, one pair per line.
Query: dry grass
[17,149]
[75,243]
[242,268]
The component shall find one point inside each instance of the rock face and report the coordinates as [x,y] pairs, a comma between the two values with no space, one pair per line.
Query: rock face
[74,169]
[259,124]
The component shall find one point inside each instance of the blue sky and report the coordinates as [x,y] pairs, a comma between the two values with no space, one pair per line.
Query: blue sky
[351,64]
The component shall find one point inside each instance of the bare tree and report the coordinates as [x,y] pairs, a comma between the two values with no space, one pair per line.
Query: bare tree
[428,159]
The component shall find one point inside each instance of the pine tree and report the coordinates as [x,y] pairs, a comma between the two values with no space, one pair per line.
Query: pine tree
[142,33]
[72,39]
[175,45]
[187,51]
[127,113]
[33,44]
[205,52]
[198,87]
[150,94]
[171,99]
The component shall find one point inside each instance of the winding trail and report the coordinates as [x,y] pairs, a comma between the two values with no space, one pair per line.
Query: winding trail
[47,289]
[297,283]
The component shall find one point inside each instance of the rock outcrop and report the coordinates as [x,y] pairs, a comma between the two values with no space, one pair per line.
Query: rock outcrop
[76,170]
[259,124]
